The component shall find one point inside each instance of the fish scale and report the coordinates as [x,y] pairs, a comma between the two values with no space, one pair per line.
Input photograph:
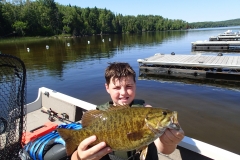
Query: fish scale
[122,128]
[117,136]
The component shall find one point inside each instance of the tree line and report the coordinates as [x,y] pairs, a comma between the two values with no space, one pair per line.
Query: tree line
[227,23]
[48,18]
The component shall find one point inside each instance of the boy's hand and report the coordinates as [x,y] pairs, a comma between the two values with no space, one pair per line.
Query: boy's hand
[169,140]
[94,153]
[172,136]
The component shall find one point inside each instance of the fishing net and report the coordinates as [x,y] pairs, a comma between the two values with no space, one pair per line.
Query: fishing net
[12,105]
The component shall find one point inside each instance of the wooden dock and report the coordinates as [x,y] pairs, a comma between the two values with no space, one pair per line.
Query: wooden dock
[232,46]
[192,66]
[229,84]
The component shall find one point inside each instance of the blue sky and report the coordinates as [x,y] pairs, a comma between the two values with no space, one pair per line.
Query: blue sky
[187,10]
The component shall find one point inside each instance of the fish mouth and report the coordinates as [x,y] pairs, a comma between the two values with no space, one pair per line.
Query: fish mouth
[174,122]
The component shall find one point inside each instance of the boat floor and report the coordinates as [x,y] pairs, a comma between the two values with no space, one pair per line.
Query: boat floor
[38,118]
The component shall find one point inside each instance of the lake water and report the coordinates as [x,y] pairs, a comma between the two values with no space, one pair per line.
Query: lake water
[76,68]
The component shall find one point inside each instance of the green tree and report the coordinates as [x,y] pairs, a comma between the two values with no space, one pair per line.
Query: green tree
[68,13]
[48,16]
[20,26]
[105,21]
[30,14]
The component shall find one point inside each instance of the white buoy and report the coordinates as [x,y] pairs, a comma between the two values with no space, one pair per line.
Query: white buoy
[28,49]
[102,40]
[68,44]
[88,42]
[109,39]
[47,46]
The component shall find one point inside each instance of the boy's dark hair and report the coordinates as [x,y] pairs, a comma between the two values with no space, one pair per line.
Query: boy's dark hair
[119,70]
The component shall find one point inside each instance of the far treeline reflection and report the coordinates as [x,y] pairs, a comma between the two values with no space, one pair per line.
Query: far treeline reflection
[63,51]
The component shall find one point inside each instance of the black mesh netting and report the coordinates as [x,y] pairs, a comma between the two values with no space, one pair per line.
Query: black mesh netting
[12,105]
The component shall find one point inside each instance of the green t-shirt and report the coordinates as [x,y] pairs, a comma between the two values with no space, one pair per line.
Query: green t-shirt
[135,103]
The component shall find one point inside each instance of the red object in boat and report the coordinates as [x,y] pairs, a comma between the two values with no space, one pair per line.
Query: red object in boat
[38,132]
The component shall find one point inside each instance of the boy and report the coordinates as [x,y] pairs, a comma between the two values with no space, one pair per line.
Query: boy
[121,85]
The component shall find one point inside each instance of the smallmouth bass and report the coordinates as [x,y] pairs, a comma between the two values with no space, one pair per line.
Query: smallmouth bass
[123,128]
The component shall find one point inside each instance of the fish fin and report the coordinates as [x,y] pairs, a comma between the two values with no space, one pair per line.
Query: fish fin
[143,154]
[67,136]
[90,116]
[118,107]
[134,136]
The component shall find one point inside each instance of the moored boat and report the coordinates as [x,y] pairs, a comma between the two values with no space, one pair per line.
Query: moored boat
[229,35]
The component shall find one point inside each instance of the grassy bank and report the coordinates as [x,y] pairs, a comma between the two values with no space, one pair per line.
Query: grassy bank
[30,39]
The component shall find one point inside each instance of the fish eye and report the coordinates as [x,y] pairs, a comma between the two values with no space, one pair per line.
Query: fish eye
[164,113]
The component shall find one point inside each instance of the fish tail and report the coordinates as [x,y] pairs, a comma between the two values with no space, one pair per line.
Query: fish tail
[70,142]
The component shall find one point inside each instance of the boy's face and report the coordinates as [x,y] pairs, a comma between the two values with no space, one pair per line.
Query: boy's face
[122,91]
